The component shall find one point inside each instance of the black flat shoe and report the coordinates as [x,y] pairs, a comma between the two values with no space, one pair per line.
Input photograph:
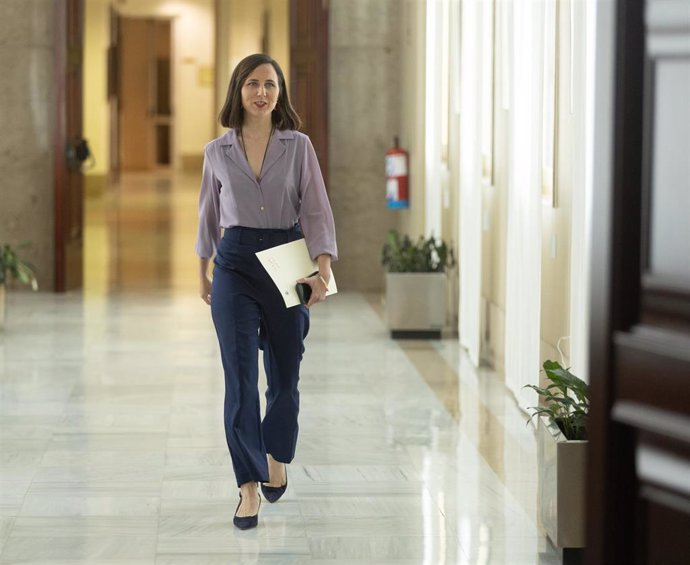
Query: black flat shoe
[273,494]
[246,522]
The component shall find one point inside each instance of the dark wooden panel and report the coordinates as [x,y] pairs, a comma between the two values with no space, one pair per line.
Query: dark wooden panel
[615,293]
[653,421]
[665,303]
[69,191]
[668,542]
[665,296]
[638,505]
[114,85]
[653,368]
[309,72]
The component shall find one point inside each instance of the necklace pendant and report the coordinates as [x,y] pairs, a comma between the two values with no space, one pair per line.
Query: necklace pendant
[244,149]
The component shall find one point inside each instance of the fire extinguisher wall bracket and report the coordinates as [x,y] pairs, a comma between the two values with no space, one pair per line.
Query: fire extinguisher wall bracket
[397,179]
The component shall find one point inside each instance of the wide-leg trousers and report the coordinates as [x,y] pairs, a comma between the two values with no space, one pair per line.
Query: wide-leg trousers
[249,314]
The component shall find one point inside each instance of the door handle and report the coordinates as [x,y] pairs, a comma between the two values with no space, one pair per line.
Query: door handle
[77,153]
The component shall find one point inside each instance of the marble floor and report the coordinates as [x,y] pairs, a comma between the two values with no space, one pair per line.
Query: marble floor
[111,438]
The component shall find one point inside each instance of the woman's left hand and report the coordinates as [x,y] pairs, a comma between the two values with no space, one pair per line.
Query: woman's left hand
[318,289]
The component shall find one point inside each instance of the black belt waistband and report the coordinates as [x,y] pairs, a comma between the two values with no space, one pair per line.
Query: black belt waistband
[259,236]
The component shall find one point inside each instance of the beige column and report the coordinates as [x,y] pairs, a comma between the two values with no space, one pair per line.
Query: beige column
[26,121]
[365,93]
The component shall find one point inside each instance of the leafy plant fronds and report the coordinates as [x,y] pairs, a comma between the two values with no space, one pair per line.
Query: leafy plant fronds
[402,255]
[566,401]
[12,266]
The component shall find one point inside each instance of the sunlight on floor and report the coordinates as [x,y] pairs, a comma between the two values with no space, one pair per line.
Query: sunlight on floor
[140,235]
[113,450]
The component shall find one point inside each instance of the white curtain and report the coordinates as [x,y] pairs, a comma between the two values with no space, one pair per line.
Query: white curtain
[581,238]
[470,201]
[432,103]
[523,288]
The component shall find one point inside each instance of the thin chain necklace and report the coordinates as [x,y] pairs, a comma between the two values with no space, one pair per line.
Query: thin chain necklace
[261,170]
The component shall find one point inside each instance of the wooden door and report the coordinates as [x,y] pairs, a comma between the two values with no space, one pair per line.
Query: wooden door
[136,126]
[144,97]
[639,460]
[114,63]
[69,237]
[309,72]
[161,92]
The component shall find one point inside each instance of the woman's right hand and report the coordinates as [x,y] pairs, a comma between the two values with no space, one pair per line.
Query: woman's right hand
[206,289]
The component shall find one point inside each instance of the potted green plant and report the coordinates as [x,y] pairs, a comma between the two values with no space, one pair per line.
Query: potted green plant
[12,267]
[416,284]
[562,451]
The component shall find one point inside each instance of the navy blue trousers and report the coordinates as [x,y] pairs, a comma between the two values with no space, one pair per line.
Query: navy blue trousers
[249,314]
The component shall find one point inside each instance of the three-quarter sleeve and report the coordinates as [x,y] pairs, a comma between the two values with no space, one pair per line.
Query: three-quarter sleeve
[208,235]
[316,216]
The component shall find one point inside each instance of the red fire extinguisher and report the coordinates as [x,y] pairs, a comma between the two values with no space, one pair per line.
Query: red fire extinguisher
[397,189]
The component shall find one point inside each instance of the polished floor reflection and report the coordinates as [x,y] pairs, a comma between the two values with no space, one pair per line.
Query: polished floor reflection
[112,447]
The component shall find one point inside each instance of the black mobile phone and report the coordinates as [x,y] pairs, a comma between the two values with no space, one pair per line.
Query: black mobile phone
[304,292]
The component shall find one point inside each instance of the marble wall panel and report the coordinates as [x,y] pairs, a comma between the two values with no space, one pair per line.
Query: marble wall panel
[365,107]
[26,118]
[26,22]
[364,23]
[26,126]
[362,220]
[365,113]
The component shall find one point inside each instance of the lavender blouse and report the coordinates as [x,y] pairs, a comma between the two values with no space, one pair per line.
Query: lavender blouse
[291,190]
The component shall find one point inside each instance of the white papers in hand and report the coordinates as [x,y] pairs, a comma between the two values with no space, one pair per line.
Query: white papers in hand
[286,264]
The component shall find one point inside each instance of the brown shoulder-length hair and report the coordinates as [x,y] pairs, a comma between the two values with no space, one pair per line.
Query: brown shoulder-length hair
[232,115]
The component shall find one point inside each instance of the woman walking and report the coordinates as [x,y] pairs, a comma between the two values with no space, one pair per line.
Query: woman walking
[262,184]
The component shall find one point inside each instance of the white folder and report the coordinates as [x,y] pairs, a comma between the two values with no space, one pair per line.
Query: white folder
[286,264]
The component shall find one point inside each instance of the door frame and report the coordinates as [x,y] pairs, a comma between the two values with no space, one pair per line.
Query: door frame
[309,71]
[116,115]
[68,183]
[640,407]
